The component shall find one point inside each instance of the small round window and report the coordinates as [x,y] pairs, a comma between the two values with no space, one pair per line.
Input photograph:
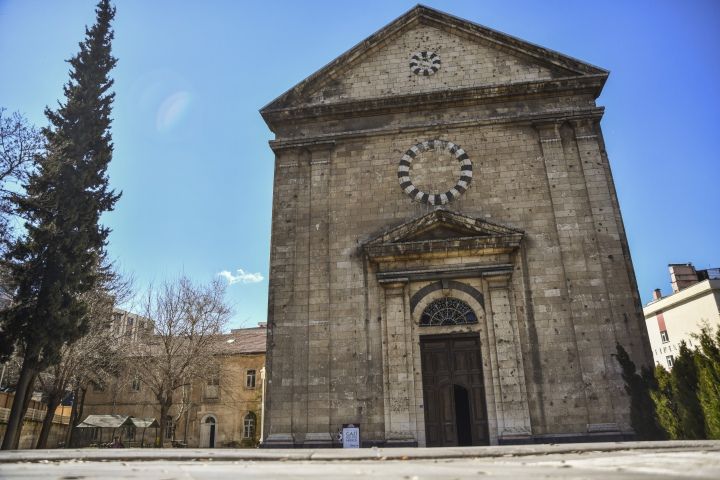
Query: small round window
[448,311]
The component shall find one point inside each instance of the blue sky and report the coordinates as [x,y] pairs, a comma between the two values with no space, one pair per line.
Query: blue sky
[191,154]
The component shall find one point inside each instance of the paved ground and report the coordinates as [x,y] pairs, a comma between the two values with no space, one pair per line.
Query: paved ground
[636,460]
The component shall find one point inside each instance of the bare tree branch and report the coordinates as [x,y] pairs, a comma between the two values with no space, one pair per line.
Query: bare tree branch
[187,318]
[20,142]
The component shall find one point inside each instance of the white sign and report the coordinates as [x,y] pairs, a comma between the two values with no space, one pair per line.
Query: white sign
[351,435]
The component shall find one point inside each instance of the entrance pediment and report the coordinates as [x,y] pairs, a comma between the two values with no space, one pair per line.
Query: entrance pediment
[442,233]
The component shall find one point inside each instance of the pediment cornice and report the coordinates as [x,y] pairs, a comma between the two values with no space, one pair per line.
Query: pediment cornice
[565,65]
[578,85]
[458,234]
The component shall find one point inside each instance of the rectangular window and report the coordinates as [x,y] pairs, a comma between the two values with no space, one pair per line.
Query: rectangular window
[250,379]
[664,336]
[98,386]
[169,427]
[136,384]
[669,359]
[212,389]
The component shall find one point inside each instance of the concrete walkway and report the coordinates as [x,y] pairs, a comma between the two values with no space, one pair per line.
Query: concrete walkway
[637,460]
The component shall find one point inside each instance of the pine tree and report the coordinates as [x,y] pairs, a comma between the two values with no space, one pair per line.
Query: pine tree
[708,366]
[642,408]
[55,263]
[685,381]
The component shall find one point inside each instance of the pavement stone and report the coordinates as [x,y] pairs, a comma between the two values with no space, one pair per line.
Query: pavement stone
[623,460]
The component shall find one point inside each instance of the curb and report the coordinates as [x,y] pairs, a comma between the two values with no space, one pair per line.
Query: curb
[366,454]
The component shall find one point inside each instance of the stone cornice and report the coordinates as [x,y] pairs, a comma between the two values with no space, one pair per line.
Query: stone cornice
[444,272]
[589,113]
[585,84]
[440,248]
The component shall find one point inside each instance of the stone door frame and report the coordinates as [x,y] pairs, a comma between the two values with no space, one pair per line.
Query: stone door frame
[472,260]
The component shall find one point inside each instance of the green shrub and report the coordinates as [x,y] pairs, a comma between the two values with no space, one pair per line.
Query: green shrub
[708,380]
[642,407]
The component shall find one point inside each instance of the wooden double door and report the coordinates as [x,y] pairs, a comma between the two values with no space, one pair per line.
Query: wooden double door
[454,392]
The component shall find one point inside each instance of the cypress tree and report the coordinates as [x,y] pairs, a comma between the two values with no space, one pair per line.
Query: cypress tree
[642,408]
[665,406]
[708,366]
[55,262]
[685,381]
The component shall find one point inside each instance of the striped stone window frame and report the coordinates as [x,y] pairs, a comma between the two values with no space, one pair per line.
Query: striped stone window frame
[417,195]
[424,63]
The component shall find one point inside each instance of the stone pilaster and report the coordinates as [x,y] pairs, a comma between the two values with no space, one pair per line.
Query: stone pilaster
[318,298]
[397,364]
[298,316]
[568,369]
[282,324]
[616,284]
[511,402]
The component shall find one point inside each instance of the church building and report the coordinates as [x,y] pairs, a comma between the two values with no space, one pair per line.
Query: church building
[448,264]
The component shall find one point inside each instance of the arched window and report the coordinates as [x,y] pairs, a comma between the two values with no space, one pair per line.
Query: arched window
[447,311]
[249,426]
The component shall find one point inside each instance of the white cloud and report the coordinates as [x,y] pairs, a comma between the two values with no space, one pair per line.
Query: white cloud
[241,277]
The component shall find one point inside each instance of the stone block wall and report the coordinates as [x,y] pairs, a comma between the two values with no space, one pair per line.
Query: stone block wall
[539,166]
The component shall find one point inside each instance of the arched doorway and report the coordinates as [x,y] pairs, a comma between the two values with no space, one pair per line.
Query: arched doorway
[208,430]
[453,388]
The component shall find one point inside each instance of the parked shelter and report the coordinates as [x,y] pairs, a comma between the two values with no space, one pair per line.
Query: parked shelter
[101,429]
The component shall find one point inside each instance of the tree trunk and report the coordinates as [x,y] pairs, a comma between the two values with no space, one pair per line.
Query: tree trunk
[187,424]
[52,404]
[163,413]
[23,395]
[75,415]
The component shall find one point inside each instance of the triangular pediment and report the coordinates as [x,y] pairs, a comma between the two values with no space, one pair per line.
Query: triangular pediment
[468,55]
[442,232]
[442,225]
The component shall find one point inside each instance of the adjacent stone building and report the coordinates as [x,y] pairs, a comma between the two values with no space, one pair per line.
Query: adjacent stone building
[448,265]
[221,409]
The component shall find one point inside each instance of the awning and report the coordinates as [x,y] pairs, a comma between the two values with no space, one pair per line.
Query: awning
[106,421]
[145,422]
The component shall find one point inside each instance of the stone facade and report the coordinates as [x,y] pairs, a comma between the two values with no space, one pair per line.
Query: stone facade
[211,412]
[441,159]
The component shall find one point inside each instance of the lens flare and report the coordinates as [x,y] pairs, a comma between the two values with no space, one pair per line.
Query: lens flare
[172,110]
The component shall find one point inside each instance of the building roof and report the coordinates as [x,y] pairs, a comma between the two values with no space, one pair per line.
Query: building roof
[243,341]
[145,422]
[685,295]
[239,341]
[105,421]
